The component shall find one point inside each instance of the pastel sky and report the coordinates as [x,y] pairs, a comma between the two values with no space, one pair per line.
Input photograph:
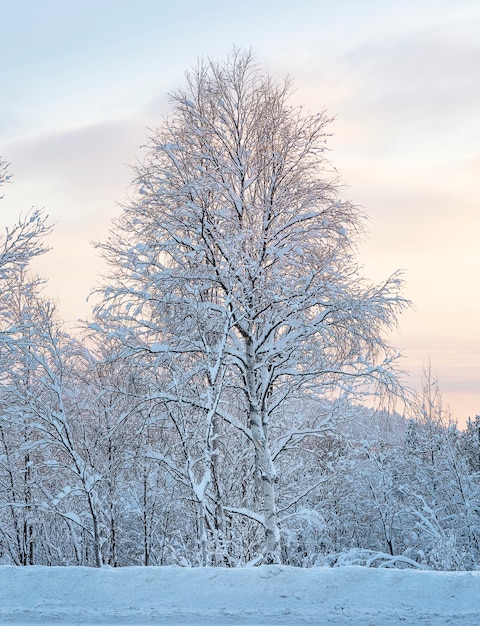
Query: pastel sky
[81,80]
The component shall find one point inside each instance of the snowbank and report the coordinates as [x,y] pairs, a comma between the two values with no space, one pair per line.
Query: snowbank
[262,595]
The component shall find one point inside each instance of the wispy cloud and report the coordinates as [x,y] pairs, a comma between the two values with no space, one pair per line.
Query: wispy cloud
[75,173]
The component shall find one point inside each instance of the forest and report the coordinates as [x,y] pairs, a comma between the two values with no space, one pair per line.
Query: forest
[233,399]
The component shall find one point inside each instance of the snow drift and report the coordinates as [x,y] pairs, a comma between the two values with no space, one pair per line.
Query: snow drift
[262,595]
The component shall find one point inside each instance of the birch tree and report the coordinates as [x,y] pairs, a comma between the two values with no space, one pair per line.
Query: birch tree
[233,269]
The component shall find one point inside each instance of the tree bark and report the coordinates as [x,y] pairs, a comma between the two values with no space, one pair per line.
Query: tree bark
[265,468]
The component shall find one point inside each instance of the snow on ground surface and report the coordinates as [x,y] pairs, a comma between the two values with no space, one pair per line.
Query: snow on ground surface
[262,595]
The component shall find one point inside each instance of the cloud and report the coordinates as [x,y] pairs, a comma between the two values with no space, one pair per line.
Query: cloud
[75,173]
[418,90]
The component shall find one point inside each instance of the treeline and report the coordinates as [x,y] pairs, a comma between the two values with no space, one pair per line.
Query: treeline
[96,468]
[210,413]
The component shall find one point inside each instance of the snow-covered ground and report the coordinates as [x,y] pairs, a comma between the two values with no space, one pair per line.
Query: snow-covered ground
[262,595]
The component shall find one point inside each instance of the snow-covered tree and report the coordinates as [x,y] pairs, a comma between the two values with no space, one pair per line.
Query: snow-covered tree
[234,279]
[4,177]
[22,242]
[471,444]
[18,246]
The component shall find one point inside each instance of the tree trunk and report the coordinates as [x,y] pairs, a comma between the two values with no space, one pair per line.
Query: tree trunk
[146,534]
[264,465]
[96,533]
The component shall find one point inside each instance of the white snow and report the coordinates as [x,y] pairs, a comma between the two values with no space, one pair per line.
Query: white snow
[264,595]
